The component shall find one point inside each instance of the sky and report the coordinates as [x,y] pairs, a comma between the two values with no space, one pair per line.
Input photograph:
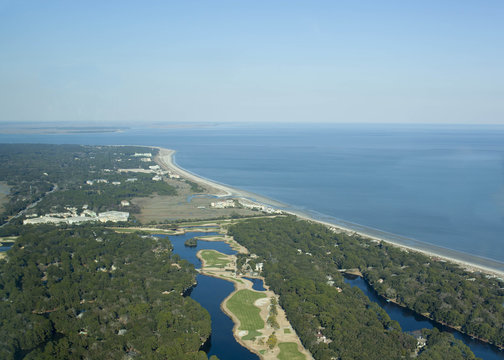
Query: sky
[426,61]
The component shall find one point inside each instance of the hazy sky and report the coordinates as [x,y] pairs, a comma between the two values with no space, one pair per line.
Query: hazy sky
[325,61]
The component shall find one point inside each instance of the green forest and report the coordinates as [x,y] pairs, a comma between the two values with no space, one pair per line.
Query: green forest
[302,262]
[89,293]
[33,170]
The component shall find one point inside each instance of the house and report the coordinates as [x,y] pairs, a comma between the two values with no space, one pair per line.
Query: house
[125,203]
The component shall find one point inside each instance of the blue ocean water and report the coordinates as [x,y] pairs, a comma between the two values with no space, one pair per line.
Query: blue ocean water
[440,184]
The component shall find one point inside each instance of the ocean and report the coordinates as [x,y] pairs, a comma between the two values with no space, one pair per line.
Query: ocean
[438,184]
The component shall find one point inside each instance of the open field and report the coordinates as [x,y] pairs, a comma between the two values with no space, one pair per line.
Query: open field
[214,258]
[223,222]
[289,351]
[207,222]
[178,207]
[146,230]
[241,304]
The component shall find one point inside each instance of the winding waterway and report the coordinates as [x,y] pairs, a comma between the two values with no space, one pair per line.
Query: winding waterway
[210,292]
[411,321]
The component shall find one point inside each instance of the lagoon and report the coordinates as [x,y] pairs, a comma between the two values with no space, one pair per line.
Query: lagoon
[210,292]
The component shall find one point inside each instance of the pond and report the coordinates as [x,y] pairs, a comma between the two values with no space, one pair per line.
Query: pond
[257,284]
[411,321]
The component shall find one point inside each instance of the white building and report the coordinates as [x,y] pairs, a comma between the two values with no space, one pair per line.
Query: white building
[85,216]
[113,216]
[223,204]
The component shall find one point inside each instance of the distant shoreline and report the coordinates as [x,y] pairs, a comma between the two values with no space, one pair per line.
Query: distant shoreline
[59,131]
[467,261]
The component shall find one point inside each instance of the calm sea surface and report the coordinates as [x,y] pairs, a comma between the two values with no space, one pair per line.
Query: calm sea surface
[442,185]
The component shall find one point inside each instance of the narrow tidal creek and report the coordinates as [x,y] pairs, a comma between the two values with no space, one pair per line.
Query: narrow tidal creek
[411,321]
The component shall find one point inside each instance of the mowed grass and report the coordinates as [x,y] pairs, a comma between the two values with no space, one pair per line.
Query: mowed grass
[242,305]
[251,335]
[214,258]
[289,351]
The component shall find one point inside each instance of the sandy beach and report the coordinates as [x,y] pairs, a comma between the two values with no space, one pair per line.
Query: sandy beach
[165,159]
[467,261]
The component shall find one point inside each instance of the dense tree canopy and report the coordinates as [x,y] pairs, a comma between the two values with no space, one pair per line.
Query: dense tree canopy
[32,170]
[441,346]
[302,262]
[90,293]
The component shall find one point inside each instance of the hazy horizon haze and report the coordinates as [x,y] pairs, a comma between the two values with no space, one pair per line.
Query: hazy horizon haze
[225,61]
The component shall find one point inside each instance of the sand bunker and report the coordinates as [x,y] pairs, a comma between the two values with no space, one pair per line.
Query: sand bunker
[261,302]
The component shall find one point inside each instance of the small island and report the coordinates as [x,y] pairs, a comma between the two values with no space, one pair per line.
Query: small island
[192,242]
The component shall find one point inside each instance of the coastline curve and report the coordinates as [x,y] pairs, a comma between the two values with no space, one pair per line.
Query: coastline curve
[470,262]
